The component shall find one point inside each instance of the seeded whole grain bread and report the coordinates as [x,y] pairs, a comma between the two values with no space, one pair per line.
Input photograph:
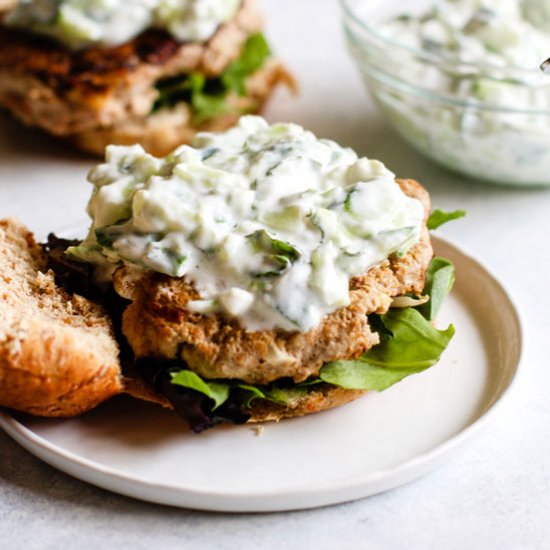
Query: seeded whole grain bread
[58,355]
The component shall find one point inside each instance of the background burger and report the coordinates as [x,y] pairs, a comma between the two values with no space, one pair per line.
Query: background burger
[141,71]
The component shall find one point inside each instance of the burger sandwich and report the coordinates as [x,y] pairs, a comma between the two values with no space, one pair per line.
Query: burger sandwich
[260,273]
[153,72]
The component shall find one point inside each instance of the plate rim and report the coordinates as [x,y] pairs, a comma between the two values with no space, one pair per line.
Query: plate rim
[299,497]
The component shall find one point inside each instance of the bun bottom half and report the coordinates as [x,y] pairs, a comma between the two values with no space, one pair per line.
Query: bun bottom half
[323,398]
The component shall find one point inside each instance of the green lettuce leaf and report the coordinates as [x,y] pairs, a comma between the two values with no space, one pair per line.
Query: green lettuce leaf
[360,375]
[207,101]
[410,344]
[439,282]
[285,396]
[249,393]
[414,341]
[439,217]
[208,96]
[253,56]
[173,90]
[217,391]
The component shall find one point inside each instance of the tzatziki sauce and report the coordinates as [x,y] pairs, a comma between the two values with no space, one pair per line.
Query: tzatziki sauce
[478,102]
[269,223]
[83,23]
[501,33]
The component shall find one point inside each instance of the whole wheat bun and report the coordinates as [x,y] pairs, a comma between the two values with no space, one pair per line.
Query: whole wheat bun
[58,354]
[317,399]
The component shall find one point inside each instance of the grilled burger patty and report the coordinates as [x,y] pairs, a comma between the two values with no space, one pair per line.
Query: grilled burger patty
[158,324]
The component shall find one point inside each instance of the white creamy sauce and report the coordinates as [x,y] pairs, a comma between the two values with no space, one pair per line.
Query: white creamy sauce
[268,222]
[508,40]
[498,32]
[81,23]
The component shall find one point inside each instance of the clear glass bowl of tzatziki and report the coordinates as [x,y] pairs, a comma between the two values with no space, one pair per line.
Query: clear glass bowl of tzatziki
[460,80]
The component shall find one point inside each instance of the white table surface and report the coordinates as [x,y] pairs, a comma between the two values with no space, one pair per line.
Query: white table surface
[494,494]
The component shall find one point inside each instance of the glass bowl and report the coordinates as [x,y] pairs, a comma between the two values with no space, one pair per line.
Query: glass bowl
[501,135]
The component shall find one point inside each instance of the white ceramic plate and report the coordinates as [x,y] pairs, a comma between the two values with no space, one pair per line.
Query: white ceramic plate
[374,444]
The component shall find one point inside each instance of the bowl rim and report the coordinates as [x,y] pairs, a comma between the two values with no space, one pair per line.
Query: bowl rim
[426,54]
